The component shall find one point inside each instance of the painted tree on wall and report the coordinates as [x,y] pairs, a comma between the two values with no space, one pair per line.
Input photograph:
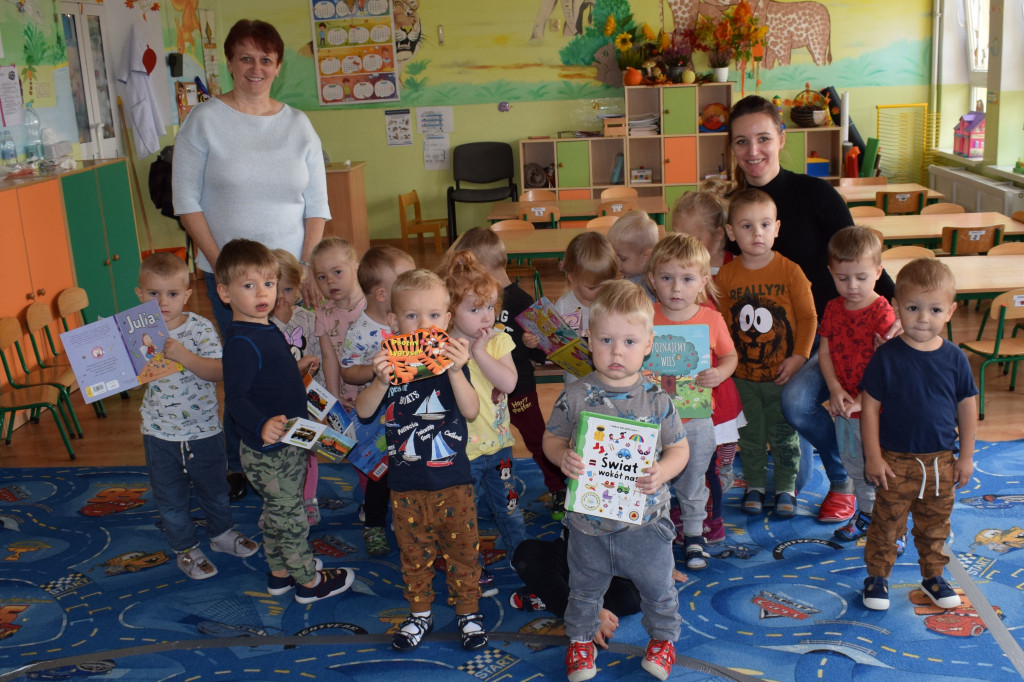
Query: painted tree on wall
[581,50]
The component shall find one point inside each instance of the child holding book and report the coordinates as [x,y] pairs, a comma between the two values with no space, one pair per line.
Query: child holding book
[632,237]
[475,300]
[680,273]
[917,405]
[766,302]
[847,330]
[180,450]
[523,404]
[429,474]
[377,272]
[335,264]
[621,336]
[263,389]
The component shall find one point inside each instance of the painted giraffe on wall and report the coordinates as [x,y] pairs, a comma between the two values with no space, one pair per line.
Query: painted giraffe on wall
[572,10]
[791,26]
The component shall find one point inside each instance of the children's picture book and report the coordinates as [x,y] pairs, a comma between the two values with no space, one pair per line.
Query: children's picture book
[615,452]
[680,352]
[416,355]
[559,341]
[120,352]
[328,444]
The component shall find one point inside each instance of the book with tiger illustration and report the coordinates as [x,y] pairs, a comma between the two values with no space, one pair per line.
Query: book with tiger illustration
[417,355]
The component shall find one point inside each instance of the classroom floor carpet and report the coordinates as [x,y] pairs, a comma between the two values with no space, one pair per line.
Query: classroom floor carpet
[89,590]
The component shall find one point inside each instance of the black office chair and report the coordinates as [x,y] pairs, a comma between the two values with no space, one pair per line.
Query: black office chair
[480,163]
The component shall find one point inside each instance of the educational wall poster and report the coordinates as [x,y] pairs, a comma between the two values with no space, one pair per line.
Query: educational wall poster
[615,452]
[10,96]
[120,352]
[435,120]
[679,353]
[354,51]
[435,151]
[398,127]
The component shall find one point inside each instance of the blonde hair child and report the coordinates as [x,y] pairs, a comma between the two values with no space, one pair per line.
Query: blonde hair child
[633,237]
[702,214]
[680,273]
[334,263]
[475,302]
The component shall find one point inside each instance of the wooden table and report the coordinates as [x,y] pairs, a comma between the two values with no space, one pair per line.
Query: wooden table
[575,209]
[927,229]
[977,276]
[524,244]
[864,195]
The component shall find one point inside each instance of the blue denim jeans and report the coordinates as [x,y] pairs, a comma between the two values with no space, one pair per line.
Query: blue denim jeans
[593,560]
[171,464]
[802,397]
[222,315]
[495,494]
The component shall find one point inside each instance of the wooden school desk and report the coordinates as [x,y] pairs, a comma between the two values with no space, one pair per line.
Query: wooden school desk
[864,195]
[926,230]
[575,209]
[977,276]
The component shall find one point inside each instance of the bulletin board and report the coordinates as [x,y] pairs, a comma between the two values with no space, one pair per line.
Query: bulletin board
[353,49]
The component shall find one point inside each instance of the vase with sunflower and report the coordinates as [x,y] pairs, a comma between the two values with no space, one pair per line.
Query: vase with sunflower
[632,45]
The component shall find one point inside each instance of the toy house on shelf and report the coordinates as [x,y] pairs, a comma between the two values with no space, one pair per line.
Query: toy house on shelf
[969,135]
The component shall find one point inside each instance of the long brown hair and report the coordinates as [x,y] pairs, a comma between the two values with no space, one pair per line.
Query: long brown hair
[751,104]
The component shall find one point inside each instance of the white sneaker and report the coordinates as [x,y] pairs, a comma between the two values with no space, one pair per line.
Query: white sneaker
[195,565]
[234,543]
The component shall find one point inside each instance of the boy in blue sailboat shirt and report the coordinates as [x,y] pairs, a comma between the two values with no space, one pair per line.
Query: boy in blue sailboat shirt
[431,483]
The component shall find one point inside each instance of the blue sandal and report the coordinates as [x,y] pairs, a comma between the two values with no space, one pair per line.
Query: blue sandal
[785,506]
[753,503]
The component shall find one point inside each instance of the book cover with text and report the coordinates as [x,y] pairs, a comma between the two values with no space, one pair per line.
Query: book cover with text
[680,352]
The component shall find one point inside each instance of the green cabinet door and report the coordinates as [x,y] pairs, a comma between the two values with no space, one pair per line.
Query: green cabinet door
[122,238]
[573,161]
[679,111]
[88,242]
[794,153]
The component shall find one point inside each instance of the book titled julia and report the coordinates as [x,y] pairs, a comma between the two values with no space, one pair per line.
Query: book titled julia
[615,452]
[559,341]
[119,352]
[417,355]
[679,354]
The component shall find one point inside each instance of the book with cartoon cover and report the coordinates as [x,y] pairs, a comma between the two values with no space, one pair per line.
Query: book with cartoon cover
[615,452]
[417,355]
[120,352]
[680,352]
[328,444]
[556,338]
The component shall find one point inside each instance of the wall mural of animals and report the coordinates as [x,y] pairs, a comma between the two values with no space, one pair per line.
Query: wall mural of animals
[572,10]
[791,26]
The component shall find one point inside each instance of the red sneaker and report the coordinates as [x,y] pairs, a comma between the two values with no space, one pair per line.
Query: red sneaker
[661,656]
[579,661]
[837,507]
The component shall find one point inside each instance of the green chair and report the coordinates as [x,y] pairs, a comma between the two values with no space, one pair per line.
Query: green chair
[1005,307]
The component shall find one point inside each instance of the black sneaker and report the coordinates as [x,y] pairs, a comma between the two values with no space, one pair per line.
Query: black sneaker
[332,581]
[558,505]
[876,593]
[411,632]
[940,592]
[488,588]
[277,586]
[471,630]
[696,557]
[524,600]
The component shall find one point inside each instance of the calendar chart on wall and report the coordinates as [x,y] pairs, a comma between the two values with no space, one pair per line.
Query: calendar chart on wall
[354,51]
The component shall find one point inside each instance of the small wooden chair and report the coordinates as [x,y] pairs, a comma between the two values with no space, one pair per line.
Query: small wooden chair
[541,213]
[1019,216]
[1007,249]
[878,235]
[602,222]
[38,317]
[511,225]
[71,303]
[901,203]
[855,182]
[866,212]
[959,241]
[1000,350]
[942,207]
[538,195]
[619,192]
[909,251]
[616,207]
[520,267]
[418,225]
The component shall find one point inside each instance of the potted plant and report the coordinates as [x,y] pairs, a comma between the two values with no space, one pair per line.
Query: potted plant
[731,35]
[631,46]
[676,55]
[809,108]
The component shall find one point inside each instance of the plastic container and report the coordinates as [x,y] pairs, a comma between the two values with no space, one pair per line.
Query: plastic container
[8,150]
[33,132]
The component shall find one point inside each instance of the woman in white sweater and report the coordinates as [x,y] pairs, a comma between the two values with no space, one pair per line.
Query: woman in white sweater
[248,166]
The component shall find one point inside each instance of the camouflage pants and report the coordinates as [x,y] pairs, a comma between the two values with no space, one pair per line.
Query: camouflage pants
[429,523]
[278,476]
[923,486]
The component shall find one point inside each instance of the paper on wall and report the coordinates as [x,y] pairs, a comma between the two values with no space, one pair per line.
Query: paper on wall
[436,151]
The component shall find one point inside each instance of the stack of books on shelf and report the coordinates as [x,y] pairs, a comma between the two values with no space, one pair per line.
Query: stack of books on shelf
[646,124]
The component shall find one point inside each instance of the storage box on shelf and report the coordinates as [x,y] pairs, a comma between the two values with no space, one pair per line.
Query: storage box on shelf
[674,153]
[821,143]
